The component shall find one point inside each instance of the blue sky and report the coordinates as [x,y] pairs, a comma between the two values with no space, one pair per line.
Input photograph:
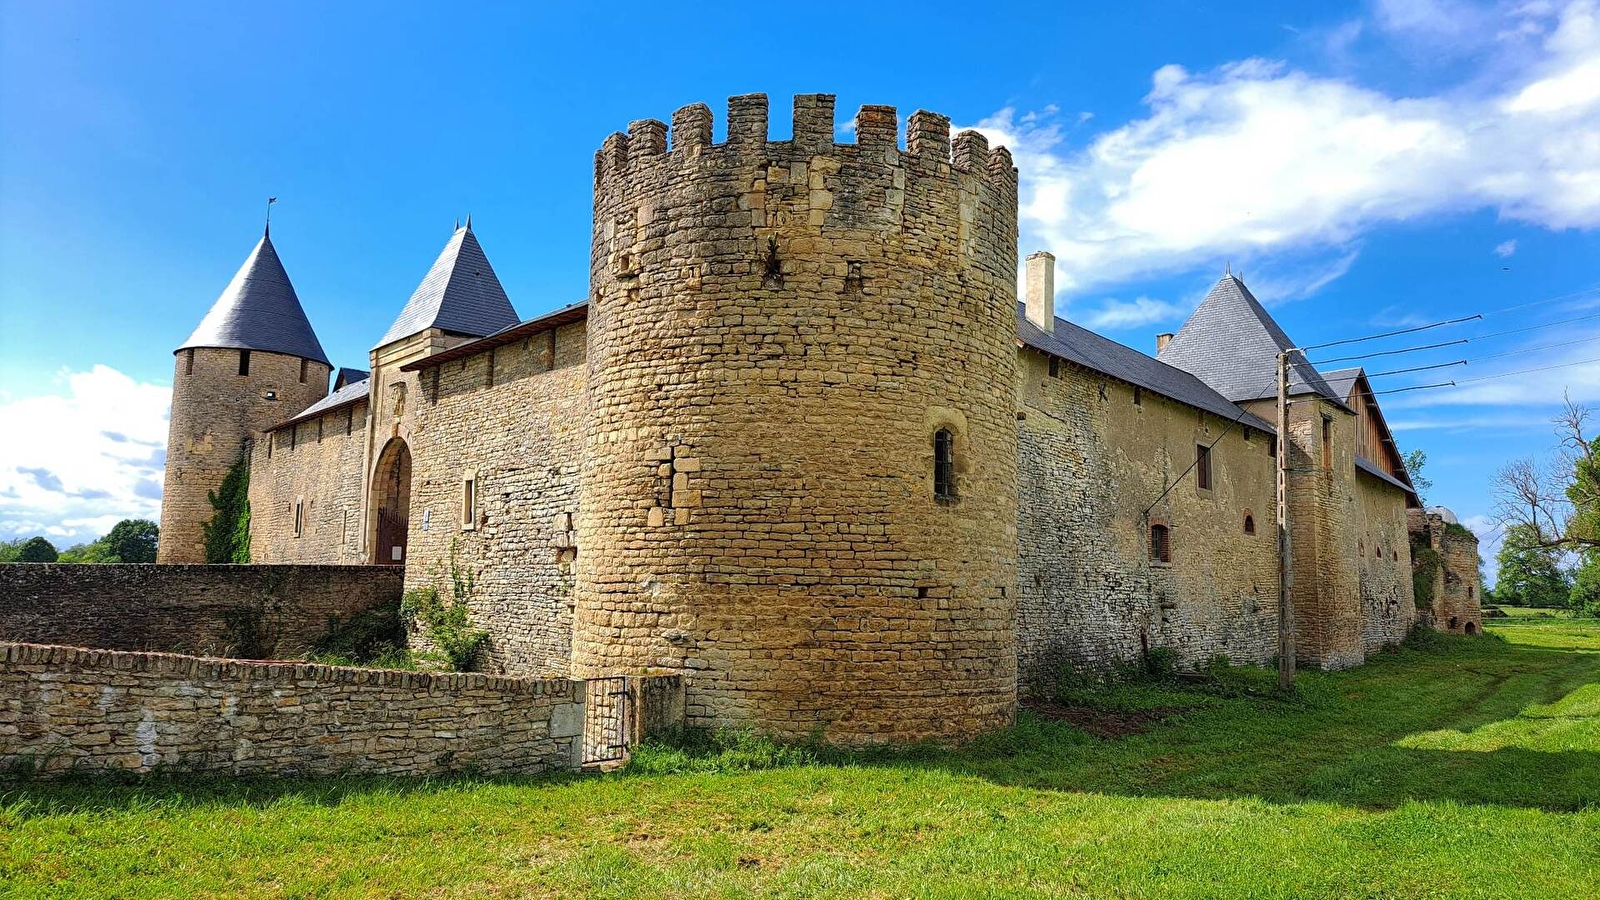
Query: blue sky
[1365,165]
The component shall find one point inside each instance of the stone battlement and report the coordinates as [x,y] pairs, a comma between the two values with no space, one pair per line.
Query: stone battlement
[877,129]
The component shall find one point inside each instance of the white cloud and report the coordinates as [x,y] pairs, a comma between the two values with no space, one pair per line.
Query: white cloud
[1255,159]
[78,462]
[1134,313]
[1506,249]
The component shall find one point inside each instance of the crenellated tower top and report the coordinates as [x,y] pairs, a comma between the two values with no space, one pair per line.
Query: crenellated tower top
[811,180]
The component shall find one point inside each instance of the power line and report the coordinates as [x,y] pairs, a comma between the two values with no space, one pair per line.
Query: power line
[1495,334]
[1373,337]
[1358,374]
[1481,378]
[1323,362]
[1538,348]
[1588,290]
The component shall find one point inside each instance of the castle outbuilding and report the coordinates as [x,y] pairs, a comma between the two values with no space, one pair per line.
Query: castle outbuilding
[803,444]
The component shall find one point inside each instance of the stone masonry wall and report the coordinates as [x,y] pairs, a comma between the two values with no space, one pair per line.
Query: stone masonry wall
[521,437]
[1454,605]
[1090,461]
[1350,599]
[1383,562]
[67,709]
[1461,609]
[317,464]
[185,609]
[216,412]
[777,332]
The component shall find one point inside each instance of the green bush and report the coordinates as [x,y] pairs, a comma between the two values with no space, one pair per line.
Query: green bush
[446,625]
[375,637]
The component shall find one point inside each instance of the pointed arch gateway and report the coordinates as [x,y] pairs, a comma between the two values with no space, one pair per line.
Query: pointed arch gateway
[391,504]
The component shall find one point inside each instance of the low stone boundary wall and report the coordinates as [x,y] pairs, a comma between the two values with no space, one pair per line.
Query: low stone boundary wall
[255,611]
[69,709]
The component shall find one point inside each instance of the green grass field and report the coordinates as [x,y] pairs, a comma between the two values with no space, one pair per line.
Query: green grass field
[1457,767]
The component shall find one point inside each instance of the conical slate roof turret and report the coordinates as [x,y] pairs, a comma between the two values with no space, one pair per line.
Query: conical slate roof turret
[460,294]
[1232,344]
[259,310]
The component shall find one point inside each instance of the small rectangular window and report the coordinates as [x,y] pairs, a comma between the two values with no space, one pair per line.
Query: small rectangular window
[188,362]
[469,502]
[1160,544]
[1055,367]
[244,362]
[1138,396]
[944,465]
[294,435]
[1327,442]
[349,419]
[299,517]
[1272,446]
[1202,466]
[304,367]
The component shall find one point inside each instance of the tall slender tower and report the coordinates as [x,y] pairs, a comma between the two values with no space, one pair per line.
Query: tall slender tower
[253,362]
[800,472]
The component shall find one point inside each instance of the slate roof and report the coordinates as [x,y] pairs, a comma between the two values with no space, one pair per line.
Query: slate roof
[460,294]
[1232,344]
[259,310]
[350,394]
[349,376]
[1090,350]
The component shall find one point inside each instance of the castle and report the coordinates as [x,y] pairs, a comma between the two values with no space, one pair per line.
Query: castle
[802,445]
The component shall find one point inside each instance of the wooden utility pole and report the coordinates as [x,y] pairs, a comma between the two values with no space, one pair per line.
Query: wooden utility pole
[1285,561]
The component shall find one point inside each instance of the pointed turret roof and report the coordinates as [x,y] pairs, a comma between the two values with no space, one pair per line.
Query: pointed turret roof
[1232,344]
[259,310]
[460,294]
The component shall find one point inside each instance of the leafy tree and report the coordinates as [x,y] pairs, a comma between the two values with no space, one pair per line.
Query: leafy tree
[37,550]
[132,541]
[1530,572]
[10,549]
[1586,586]
[92,552]
[1558,503]
[228,532]
[1415,461]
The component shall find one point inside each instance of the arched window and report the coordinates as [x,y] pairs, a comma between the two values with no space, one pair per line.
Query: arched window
[944,465]
[1249,524]
[1160,544]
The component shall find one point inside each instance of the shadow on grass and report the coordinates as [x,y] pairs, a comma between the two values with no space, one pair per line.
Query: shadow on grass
[1335,741]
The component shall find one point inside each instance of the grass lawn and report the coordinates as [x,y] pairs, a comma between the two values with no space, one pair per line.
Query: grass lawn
[1460,767]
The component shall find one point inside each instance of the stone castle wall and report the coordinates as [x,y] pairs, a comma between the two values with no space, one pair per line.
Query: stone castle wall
[186,609]
[777,331]
[216,412]
[1382,558]
[316,464]
[1460,609]
[1452,574]
[1351,558]
[1091,460]
[516,425]
[68,709]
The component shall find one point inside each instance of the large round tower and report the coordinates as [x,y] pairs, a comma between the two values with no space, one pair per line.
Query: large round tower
[253,362]
[799,487]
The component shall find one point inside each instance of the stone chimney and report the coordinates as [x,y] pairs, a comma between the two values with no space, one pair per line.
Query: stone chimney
[1162,341]
[1040,282]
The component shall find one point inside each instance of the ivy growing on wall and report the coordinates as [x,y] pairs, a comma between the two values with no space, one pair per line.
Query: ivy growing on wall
[228,532]
[445,621]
